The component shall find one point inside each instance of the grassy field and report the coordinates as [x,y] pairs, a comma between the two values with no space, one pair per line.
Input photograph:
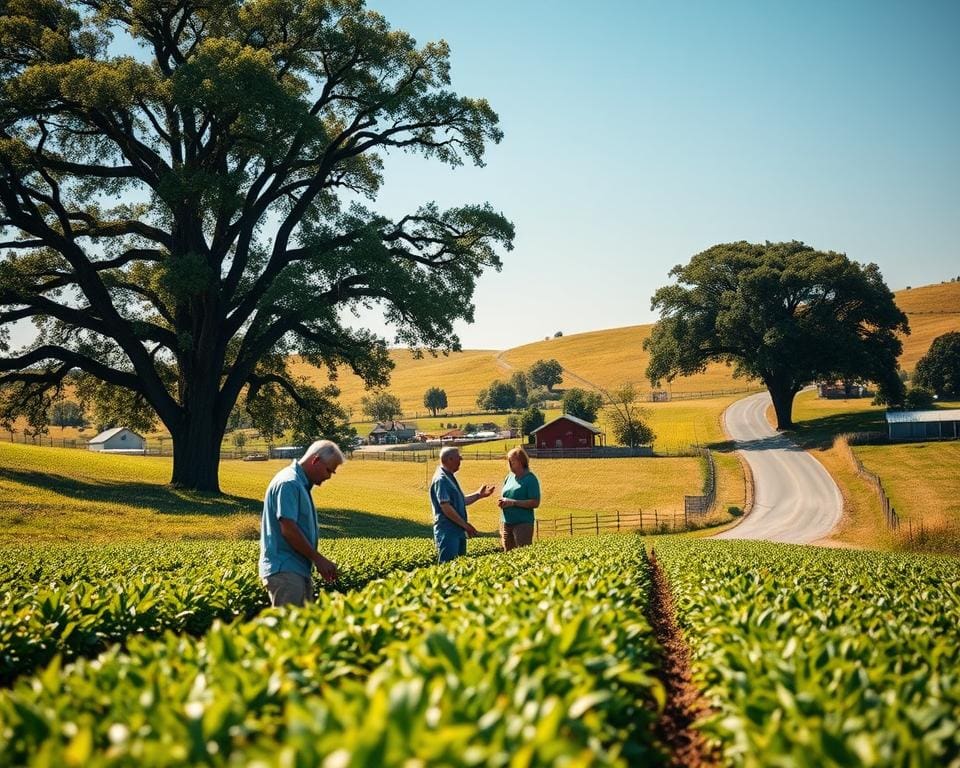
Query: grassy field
[53,494]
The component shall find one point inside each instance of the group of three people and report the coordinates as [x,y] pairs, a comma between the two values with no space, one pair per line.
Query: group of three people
[289,531]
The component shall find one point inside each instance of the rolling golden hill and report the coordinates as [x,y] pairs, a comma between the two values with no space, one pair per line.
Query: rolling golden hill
[609,358]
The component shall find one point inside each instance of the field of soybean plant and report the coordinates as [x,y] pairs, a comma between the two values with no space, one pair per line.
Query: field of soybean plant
[550,655]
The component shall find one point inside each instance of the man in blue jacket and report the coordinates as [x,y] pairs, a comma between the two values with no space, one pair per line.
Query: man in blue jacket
[449,505]
[288,528]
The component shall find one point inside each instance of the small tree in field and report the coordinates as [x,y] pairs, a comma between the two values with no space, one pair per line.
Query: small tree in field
[499,396]
[239,439]
[627,418]
[545,373]
[582,404]
[435,399]
[381,406]
[531,419]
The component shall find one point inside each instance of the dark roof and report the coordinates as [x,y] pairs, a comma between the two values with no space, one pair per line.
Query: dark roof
[574,419]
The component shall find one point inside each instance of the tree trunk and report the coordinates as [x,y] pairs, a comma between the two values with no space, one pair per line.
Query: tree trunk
[782,396]
[196,444]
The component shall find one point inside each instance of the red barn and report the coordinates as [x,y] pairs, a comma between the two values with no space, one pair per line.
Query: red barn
[567,432]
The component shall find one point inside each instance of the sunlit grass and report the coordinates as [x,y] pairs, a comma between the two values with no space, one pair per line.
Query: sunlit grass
[53,494]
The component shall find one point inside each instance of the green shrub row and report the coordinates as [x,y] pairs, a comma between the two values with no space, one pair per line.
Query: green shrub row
[815,657]
[77,600]
[542,656]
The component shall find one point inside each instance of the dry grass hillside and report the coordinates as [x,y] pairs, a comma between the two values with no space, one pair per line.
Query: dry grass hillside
[605,359]
[932,310]
[611,357]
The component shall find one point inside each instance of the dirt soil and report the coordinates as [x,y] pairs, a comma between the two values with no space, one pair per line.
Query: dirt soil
[685,703]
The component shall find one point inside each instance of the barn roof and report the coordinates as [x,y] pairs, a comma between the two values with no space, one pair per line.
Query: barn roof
[108,433]
[919,417]
[574,419]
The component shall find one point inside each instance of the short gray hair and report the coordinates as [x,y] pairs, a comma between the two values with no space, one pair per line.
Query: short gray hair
[327,450]
[445,453]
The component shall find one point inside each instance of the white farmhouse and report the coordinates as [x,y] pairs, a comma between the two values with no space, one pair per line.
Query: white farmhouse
[118,440]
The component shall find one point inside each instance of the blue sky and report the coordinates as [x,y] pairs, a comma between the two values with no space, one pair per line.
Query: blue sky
[638,134]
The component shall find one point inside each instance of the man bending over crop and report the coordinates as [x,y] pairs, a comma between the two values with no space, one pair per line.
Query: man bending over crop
[449,504]
[288,528]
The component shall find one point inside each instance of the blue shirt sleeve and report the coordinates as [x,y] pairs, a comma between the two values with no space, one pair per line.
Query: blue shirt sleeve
[443,491]
[288,502]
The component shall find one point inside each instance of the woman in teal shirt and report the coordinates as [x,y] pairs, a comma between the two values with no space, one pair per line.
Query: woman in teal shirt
[520,496]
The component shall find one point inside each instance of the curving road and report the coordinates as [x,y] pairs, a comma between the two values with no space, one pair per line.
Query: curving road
[795,499]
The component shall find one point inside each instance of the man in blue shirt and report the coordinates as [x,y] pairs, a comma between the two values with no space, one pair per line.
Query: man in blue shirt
[288,528]
[449,505]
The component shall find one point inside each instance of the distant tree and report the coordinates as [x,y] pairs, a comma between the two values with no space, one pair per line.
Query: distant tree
[238,438]
[381,406]
[918,399]
[66,413]
[531,419]
[782,313]
[545,373]
[582,404]
[499,396]
[521,384]
[939,369]
[435,399]
[541,395]
[627,418]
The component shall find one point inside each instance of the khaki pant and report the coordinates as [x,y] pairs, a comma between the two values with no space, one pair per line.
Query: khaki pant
[286,588]
[513,535]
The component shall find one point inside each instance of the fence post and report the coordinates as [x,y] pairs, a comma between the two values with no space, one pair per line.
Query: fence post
[656,520]
[571,523]
[618,521]
[597,520]
[536,530]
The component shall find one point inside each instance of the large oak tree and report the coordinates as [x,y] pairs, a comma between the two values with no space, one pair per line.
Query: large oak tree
[783,313]
[179,222]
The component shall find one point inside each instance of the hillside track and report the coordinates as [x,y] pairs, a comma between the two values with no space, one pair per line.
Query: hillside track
[795,498]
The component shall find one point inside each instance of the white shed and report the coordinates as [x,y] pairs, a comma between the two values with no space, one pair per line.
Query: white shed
[118,440]
[924,425]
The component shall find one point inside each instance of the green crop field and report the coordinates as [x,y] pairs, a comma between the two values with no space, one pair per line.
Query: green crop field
[553,655]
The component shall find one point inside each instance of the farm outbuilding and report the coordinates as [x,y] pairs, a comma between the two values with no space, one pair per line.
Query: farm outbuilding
[118,440]
[924,425]
[567,432]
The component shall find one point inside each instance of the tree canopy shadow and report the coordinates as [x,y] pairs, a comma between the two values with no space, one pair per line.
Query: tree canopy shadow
[339,523]
[822,431]
[164,499]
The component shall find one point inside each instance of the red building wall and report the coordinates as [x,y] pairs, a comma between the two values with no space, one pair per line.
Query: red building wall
[569,434]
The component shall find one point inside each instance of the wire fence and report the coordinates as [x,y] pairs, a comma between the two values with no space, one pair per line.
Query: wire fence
[889,512]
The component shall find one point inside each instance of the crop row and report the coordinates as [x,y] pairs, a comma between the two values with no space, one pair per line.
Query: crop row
[541,656]
[813,657]
[76,600]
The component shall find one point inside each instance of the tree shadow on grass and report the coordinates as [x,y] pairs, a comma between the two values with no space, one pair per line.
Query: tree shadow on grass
[339,523]
[163,499]
[822,431]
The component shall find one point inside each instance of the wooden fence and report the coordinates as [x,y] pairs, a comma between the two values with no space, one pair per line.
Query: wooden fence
[641,521]
[889,512]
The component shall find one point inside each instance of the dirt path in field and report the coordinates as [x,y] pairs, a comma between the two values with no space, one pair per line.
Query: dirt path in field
[685,704]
